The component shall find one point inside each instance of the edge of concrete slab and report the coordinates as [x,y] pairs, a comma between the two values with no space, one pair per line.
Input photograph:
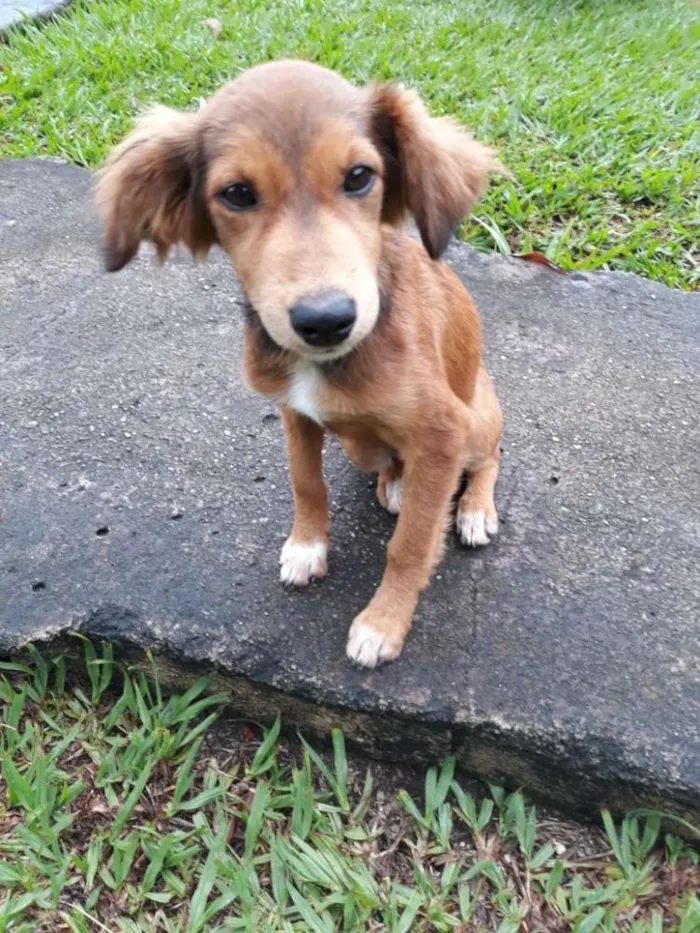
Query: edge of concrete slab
[14,14]
[574,774]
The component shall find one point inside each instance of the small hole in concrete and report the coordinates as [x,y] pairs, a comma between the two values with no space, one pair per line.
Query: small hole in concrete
[554,480]
[101,532]
[176,516]
[38,585]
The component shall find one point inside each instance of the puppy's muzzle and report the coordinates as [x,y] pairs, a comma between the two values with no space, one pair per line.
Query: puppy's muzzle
[324,319]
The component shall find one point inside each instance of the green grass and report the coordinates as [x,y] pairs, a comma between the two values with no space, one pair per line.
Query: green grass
[593,104]
[125,810]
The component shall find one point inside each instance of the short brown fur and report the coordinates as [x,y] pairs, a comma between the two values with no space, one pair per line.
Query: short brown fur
[407,391]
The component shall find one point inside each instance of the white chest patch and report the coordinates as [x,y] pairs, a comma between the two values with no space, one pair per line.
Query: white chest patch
[305,390]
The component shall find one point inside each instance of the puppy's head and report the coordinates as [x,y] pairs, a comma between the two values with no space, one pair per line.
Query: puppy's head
[293,171]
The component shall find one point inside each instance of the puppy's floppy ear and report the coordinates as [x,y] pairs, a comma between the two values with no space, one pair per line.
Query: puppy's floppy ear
[152,189]
[434,169]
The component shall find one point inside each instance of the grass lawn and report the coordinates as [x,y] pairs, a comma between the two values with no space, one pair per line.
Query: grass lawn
[123,810]
[594,105]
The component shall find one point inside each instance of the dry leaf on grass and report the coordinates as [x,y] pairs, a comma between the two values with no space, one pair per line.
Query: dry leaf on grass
[541,258]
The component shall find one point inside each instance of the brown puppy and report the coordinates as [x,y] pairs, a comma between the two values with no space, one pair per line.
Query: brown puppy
[352,326]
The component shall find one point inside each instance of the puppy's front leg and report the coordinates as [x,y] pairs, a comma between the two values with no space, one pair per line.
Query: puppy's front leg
[304,556]
[430,477]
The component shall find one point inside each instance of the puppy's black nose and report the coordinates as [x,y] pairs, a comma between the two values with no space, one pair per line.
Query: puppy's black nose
[324,320]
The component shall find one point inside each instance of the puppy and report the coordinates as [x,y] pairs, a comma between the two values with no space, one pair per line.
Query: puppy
[352,326]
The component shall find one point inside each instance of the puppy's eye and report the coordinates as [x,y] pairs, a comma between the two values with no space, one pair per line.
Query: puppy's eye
[239,197]
[359,181]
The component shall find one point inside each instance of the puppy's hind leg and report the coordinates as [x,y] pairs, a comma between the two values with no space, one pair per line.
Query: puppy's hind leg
[477,519]
[390,487]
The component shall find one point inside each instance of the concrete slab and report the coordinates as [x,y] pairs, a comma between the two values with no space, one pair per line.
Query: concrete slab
[13,12]
[143,499]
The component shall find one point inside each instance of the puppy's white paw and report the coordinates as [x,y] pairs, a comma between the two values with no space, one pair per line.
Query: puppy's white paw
[368,647]
[475,528]
[302,563]
[394,496]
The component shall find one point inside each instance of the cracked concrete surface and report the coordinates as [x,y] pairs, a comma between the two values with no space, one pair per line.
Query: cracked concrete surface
[144,499]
